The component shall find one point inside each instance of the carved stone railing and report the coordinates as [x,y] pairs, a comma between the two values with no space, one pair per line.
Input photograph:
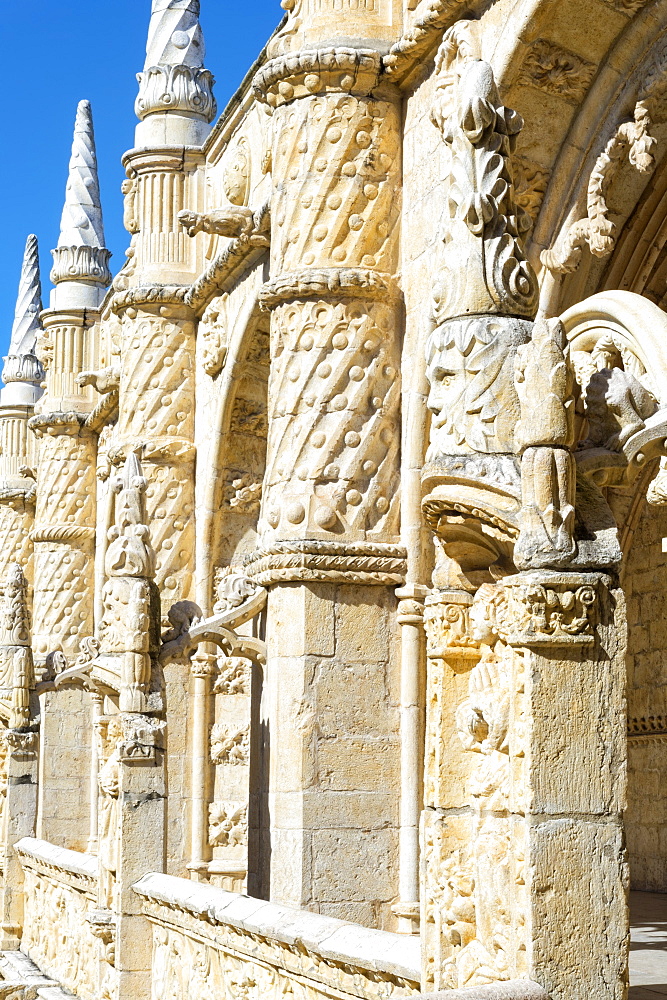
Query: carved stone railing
[60,890]
[203,935]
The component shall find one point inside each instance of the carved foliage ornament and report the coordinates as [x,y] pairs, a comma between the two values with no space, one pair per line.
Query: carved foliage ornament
[485,267]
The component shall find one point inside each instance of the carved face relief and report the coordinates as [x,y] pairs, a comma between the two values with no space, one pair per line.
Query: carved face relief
[470,368]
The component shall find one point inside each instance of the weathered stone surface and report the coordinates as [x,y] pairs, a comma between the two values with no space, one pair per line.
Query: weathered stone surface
[317,530]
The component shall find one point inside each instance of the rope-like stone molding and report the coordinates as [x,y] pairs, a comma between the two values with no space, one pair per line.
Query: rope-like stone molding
[239,255]
[105,409]
[60,533]
[425,34]
[353,282]
[313,71]
[306,560]
[142,295]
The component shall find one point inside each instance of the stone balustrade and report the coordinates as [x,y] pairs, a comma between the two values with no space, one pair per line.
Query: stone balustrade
[204,936]
[60,890]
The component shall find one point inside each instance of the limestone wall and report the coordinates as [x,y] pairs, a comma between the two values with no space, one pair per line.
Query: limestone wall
[646,589]
[64,787]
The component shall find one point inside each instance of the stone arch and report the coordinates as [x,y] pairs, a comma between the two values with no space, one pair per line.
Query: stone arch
[239,399]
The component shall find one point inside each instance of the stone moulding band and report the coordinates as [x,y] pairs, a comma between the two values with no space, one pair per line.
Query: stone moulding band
[313,71]
[349,282]
[651,728]
[60,533]
[307,561]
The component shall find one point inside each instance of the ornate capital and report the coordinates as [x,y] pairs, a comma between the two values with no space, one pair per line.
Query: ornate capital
[176,88]
[549,609]
[21,744]
[81,264]
[70,423]
[447,625]
[327,562]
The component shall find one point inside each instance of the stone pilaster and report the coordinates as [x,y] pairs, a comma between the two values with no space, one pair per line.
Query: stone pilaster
[19,749]
[526,689]
[329,517]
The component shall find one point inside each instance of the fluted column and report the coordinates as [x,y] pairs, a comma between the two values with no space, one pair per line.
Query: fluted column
[329,518]
[162,182]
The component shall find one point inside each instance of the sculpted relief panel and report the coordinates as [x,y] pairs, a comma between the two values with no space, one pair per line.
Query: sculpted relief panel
[56,934]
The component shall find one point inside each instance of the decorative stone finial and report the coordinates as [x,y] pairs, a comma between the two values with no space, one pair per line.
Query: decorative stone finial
[81,254]
[21,364]
[174,78]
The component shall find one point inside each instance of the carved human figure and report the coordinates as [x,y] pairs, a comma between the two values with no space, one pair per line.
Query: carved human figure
[545,436]
[483,718]
[109,814]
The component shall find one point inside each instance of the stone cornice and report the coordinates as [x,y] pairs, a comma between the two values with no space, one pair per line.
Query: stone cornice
[316,71]
[71,867]
[167,159]
[372,563]
[356,283]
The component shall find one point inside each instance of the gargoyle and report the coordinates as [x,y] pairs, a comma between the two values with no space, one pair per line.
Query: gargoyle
[232,221]
[105,381]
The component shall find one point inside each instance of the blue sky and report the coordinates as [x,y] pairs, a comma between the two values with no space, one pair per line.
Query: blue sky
[57,54]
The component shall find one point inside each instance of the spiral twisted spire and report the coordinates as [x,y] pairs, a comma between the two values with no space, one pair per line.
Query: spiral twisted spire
[174,77]
[21,364]
[81,224]
[81,254]
[175,37]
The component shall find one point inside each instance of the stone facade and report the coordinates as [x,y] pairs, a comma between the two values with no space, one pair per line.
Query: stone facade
[333,565]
